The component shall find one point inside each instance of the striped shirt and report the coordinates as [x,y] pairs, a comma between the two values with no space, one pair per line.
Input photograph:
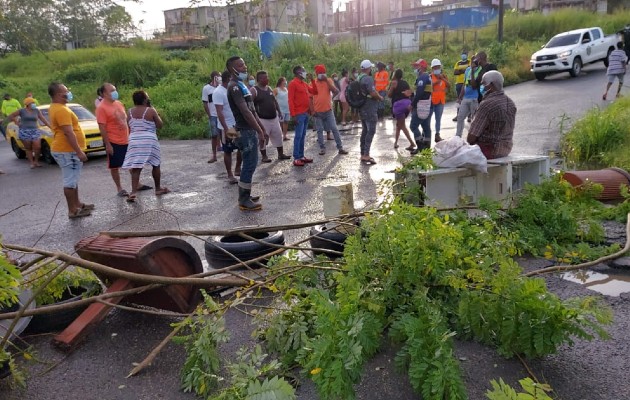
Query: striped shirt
[493,124]
[617,62]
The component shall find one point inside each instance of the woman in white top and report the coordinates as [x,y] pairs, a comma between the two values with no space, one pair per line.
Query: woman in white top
[282,96]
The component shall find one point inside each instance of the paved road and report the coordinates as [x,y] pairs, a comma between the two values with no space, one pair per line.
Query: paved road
[202,199]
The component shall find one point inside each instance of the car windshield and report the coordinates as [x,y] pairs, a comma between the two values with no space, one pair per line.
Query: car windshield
[82,113]
[564,40]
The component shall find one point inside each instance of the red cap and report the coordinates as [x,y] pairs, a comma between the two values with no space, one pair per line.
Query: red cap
[421,63]
[320,69]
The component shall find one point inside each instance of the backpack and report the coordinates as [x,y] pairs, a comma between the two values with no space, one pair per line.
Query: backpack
[355,94]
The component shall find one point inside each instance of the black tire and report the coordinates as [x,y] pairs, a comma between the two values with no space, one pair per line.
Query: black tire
[244,249]
[57,321]
[46,154]
[19,153]
[322,238]
[576,68]
[540,75]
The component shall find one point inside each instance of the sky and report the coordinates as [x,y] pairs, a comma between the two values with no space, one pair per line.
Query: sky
[151,11]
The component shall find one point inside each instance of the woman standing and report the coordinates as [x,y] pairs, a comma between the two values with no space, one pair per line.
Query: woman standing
[343,84]
[143,146]
[400,93]
[282,96]
[29,133]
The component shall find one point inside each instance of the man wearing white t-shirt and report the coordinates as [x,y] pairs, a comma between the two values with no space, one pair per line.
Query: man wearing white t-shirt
[206,98]
[226,120]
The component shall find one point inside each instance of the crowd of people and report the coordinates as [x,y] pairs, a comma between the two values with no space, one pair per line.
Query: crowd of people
[245,115]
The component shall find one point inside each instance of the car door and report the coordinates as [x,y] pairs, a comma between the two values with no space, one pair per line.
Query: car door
[598,50]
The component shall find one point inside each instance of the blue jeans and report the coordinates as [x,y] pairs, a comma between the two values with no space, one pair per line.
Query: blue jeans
[437,110]
[301,124]
[248,144]
[326,121]
[426,127]
[368,125]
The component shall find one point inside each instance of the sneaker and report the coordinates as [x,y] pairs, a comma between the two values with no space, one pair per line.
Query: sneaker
[343,151]
[298,163]
[322,152]
[307,160]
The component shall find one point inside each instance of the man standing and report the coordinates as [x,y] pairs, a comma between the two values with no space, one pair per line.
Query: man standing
[9,106]
[300,106]
[67,147]
[269,113]
[468,97]
[226,121]
[423,94]
[381,80]
[482,61]
[439,85]
[249,135]
[368,111]
[211,111]
[493,126]
[112,122]
[617,61]
[322,86]
[459,70]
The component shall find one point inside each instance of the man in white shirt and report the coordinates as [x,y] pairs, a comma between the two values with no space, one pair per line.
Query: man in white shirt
[208,105]
[225,121]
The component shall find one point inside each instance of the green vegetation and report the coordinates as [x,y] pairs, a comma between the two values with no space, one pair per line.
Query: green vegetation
[69,283]
[174,79]
[533,391]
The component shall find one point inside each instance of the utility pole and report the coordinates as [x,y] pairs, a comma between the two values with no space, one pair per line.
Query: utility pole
[359,22]
[500,33]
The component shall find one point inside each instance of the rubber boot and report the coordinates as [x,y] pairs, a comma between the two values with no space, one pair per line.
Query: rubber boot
[264,159]
[281,155]
[245,203]
[419,146]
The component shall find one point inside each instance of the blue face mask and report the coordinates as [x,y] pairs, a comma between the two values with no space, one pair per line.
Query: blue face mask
[482,90]
[252,82]
[33,106]
[115,95]
[69,96]
[464,57]
[437,71]
[241,76]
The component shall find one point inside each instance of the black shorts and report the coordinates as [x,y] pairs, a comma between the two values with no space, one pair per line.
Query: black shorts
[116,160]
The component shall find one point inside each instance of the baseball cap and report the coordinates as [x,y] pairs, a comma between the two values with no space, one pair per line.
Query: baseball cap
[365,64]
[320,69]
[28,100]
[435,63]
[421,62]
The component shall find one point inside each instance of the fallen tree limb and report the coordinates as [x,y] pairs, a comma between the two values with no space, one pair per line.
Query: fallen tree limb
[564,268]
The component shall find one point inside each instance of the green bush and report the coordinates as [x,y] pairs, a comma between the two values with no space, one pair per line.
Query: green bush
[139,70]
[88,72]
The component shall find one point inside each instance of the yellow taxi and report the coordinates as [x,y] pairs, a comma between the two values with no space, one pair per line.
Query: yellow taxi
[87,121]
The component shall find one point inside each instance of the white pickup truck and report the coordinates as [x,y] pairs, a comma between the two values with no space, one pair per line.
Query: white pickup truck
[569,51]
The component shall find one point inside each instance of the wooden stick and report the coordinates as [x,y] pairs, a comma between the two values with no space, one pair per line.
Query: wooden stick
[149,359]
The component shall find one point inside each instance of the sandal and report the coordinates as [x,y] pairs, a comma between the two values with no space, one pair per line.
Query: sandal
[369,161]
[123,193]
[162,191]
[86,206]
[131,198]
[232,180]
[145,187]
[396,145]
[80,213]
[410,148]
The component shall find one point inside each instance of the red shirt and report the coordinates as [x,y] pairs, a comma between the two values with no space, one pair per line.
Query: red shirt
[299,97]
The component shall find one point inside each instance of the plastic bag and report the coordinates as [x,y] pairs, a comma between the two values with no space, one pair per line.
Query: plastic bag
[455,152]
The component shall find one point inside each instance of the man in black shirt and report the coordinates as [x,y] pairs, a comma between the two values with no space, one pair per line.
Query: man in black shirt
[482,61]
[625,32]
[249,134]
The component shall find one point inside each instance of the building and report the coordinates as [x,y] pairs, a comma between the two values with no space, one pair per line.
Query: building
[210,22]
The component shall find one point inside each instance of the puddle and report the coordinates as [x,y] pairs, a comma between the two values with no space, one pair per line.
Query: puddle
[607,284]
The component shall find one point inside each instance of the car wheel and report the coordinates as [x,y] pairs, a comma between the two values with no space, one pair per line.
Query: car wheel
[46,154]
[218,247]
[577,67]
[329,239]
[19,153]
[540,75]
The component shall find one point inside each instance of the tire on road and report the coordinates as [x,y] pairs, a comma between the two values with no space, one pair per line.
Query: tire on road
[328,239]
[540,75]
[216,247]
[46,154]
[576,68]
[19,153]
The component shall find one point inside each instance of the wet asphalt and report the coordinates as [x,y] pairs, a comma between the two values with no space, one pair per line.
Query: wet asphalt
[201,198]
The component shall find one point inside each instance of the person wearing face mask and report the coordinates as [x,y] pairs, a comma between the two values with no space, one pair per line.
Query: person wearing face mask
[468,97]
[112,122]
[482,60]
[67,147]
[282,96]
[459,70]
[301,107]
[493,126]
[211,111]
[440,85]
[248,133]
[29,133]
[323,86]
[422,94]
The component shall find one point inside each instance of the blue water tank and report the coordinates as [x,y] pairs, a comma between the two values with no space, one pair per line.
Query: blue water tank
[268,40]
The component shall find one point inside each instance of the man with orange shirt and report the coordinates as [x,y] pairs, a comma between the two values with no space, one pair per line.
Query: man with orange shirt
[112,121]
[322,105]
[381,80]
[67,147]
[300,107]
